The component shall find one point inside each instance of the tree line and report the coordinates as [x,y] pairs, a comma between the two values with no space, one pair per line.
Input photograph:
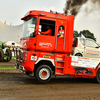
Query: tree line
[85,33]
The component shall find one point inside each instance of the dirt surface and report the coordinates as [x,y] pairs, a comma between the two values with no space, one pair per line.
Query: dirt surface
[11,63]
[18,86]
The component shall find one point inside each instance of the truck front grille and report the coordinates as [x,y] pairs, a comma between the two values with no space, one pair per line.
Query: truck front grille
[20,55]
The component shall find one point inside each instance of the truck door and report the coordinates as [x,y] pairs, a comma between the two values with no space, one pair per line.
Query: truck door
[46,42]
[92,49]
[61,29]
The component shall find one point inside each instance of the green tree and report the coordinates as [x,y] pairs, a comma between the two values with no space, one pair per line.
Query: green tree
[75,34]
[87,34]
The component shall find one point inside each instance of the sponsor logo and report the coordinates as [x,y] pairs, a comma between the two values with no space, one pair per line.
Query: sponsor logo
[93,55]
[95,59]
[33,58]
[83,58]
[75,62]
[45,45]
[59,58]
[46,56]
[92,51]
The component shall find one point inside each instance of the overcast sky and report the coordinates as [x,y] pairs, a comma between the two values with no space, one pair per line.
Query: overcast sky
[89,19]
[14,10]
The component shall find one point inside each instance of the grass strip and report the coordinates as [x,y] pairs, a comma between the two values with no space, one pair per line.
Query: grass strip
[13,57]
[6,67]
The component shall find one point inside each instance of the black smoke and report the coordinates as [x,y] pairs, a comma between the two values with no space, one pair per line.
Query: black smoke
[73,6]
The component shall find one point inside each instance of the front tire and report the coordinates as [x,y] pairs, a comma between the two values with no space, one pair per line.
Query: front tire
[98,76]
[43,73]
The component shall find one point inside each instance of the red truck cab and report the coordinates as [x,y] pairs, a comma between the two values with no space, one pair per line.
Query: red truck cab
[35,21]
[41,55]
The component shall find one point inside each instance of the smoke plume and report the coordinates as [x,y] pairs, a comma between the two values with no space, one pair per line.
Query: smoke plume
[73,6]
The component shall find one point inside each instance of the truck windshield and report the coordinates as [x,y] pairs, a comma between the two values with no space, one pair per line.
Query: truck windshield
[29,28]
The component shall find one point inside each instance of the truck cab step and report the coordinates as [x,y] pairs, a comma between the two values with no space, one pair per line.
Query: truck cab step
[60,61]
[59,73]
[60,67]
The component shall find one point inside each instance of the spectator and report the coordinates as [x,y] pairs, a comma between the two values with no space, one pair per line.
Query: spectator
[3,46]
[61,31]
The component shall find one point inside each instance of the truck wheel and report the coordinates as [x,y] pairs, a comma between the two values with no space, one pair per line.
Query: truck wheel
[8,54]
[98,76]
[43,73]
[1,55]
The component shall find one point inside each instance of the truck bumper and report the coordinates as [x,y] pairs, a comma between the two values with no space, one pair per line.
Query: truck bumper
[19,67]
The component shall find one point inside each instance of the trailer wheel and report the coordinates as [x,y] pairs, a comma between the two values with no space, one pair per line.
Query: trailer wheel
[43,73]
[98,76]
[1,55]
[8,54]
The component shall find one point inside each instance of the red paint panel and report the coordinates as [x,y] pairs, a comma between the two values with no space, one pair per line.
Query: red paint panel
[45,43]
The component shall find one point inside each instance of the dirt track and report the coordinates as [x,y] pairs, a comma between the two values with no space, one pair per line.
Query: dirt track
[11,63]
[18,86]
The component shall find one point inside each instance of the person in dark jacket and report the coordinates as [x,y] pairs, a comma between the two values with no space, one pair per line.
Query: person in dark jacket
[3,46]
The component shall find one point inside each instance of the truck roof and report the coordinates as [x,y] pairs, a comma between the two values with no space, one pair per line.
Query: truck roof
[50,14]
